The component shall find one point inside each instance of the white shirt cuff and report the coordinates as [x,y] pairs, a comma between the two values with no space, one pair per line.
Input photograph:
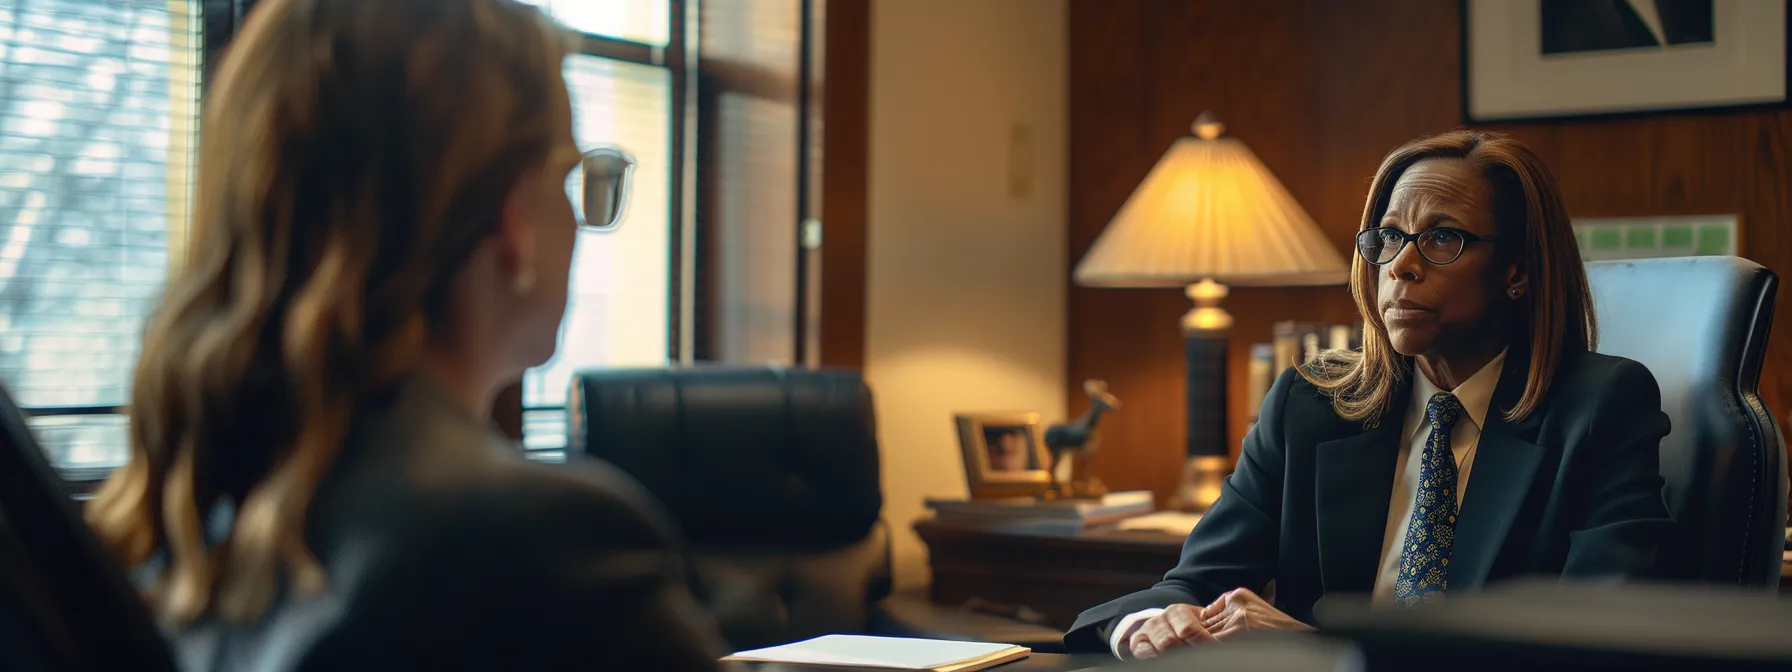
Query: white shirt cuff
[1123,630]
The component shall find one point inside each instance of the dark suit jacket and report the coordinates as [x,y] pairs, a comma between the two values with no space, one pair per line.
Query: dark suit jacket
[1573,490]
[446,549]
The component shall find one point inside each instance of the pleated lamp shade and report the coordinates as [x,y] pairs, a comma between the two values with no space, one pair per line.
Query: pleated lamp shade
[1210,210]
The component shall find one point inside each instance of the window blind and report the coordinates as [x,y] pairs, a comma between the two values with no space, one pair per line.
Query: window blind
[98,108]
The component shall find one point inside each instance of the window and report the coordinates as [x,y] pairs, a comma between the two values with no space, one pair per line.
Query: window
[625,94]
[642,21]
[98,104]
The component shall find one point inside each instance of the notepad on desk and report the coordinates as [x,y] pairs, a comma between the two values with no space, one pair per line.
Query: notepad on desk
[860,652]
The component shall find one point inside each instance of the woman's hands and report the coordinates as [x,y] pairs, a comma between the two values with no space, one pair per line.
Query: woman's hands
[1180,625]
[1242,611]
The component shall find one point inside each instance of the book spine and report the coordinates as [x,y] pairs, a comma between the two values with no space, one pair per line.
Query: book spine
[1286,345]
[1339,337]
[1261,377]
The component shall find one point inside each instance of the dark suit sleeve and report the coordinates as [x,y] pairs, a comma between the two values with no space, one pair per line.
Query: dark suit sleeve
[578,572]
[1625,521]
[1234,545]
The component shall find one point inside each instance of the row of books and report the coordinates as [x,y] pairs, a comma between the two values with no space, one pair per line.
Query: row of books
[1293,343]
[1044,515]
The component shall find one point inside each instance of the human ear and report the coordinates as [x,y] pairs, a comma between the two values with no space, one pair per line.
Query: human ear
[515,239]
[1517,282]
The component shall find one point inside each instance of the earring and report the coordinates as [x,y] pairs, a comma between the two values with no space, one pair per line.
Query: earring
[1514,292]
[523,281]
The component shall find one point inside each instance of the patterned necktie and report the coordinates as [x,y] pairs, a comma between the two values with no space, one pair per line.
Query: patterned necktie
[1425,558]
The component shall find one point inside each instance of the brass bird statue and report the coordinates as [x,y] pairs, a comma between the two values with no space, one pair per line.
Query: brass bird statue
[1078,440]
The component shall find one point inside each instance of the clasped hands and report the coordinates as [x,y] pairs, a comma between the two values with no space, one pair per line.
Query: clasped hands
[1234,613]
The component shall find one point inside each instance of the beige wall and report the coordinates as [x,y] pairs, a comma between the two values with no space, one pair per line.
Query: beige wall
[966,272]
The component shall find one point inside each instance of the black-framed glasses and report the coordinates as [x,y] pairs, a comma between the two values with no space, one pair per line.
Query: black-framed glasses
[1439,244]
[602,185]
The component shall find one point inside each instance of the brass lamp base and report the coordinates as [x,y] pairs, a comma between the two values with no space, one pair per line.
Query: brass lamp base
[1201,478]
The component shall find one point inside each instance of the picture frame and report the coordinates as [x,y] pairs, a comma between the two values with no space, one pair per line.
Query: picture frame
[1552,60]
[1004,454]
[1618,238]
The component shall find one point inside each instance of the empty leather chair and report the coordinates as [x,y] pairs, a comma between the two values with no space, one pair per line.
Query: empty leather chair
[1700,324]
[771,473]
[65,604]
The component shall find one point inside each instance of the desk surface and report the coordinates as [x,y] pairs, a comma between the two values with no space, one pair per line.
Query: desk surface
[1038,662]
[1042,662]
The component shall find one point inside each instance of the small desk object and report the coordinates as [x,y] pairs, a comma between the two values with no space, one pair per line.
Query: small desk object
[1056,573]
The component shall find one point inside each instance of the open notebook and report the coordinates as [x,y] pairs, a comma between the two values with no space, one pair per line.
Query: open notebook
[858,652]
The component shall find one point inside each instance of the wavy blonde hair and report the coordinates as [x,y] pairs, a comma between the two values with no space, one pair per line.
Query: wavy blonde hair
[355,153]
[1557,312]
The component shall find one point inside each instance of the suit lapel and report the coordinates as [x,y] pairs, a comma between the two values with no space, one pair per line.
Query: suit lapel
[1505,464]
[1355,478]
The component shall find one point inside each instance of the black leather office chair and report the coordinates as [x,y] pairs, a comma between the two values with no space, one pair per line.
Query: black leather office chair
[64,604]
[1700,324]
[772,474]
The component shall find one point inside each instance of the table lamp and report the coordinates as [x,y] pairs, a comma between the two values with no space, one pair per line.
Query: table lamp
[1207,215]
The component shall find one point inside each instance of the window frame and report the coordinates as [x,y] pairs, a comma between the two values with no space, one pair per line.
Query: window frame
[223,19]
[678,57]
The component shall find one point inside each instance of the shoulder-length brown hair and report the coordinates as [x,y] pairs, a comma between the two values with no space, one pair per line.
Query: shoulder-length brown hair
[1554,317]
[355,153]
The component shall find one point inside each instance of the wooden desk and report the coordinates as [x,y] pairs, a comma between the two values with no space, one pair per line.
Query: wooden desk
[1038,662]
[1058,574]
[1053,662]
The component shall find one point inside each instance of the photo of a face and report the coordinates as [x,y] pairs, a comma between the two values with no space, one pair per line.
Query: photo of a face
[1009,449]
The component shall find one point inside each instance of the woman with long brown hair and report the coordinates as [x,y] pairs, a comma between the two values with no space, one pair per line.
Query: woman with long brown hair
[382,241]
[1476,360]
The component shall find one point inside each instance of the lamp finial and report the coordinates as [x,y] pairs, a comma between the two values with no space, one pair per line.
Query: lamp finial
[1207,126]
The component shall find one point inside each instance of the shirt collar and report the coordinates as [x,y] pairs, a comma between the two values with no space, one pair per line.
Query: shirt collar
[1476,393]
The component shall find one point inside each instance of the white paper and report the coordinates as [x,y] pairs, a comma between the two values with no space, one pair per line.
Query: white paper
[864,651]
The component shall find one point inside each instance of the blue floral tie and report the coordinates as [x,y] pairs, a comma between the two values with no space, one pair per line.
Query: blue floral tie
[1425,558]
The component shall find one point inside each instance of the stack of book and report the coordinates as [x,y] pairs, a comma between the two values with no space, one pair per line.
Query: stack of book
[1296,343]
[1293,344]
[1067,515]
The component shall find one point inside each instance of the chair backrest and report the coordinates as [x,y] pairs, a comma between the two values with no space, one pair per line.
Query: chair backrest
[739,455]
[771,473]
[61,595]
[1700,325]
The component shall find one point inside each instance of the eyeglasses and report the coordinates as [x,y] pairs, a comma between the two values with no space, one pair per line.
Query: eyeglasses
[1439,244]
[602,185]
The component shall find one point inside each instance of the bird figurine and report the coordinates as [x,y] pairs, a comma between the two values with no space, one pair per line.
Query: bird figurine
[1078,440]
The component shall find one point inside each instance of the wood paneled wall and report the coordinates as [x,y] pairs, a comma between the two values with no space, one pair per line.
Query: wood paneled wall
[1321,90]
[846,140]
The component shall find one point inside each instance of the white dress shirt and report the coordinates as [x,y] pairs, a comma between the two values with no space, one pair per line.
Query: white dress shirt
[1476,395]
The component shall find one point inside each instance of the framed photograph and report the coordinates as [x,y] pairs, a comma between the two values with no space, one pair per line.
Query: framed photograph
[1555,59]
[1004,454]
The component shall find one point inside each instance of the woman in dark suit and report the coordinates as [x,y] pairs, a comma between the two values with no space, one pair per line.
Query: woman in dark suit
[382,242]
[1475,436]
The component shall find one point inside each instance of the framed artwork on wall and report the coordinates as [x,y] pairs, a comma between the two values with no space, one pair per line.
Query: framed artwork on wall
[1553,59]
[1609,238]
